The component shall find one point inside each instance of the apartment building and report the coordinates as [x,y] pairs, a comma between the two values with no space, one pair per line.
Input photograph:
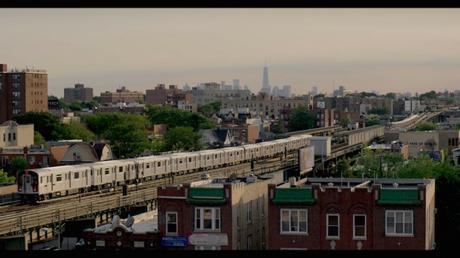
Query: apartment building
[78,93]
[22,91]
[172,95]
[122,95]
[13,134]
[222,214]
[211,92]
[430,141]
[352,214]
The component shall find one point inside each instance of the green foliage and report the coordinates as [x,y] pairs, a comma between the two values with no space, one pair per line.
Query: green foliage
[182,138]
[426,126]
[378,111]
[76,106]
[38,138]
[375,164]
[364,94]
[301,119]
[126,133]
[345,121]
[372,121]
[211,108]
[457,126]
[17,164]
[78,130]
[391,95]
[4,178]
[46,124]
[429,95]
[174,117]
[278,128]
[344,168]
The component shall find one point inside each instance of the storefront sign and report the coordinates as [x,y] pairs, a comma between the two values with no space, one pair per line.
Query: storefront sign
[213,239]
[174,241]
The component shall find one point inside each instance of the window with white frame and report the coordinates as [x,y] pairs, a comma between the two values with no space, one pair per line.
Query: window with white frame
[207,218]
[399,223]
[359,226]
[294,221]
[171,222]
[333,226]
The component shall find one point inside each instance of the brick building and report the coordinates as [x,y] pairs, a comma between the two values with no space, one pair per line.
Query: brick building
[226,214]
[37,156]
[22,91]
[78,93]
[122,95]
[171,95]
[352,214]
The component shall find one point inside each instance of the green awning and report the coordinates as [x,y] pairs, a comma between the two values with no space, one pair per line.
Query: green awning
[298,195]
[399,196]
[206,196]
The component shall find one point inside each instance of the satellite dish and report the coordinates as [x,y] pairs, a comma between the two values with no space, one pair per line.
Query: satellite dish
[129,221]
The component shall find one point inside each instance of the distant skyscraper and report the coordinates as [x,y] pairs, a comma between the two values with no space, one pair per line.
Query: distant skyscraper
[276,91]
[265,84]
[314,91]
[236,84]
[286,91]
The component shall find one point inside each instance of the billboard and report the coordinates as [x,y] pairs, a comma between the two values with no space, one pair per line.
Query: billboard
[306,158]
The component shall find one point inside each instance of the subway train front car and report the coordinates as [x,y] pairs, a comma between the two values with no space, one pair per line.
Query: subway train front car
[28,186]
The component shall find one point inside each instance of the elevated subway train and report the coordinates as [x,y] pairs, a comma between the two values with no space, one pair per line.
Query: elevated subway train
[46,183]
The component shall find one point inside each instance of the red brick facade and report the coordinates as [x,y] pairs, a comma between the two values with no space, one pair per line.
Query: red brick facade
[342,201]
[172,199]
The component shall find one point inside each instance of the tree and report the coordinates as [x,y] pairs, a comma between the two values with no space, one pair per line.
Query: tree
[38,138]
[344,122]
[18,164]
[344,168]
[126,133]
[76,106]
[429,95]
[374,120]
[174,117]
[301,119]
[45,123]
[278,128]
[391,95]
[426,126]
[4,178]
[211,108]
[182,138]
[378,111]
[78,130]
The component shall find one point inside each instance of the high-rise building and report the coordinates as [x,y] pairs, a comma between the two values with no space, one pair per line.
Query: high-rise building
[22,91]
[314,91]
[78,93]
[286,91]
[265,83]
[236,84]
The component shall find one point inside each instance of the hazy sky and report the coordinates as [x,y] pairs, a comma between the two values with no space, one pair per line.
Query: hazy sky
[362,49]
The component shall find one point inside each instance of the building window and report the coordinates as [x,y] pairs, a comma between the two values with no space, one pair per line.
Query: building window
[58,178]
[249,212]
[171,223]
[14,136]
[294,221]
[333,226]
[359,226]
[207,218]
[76,175]
[399,223]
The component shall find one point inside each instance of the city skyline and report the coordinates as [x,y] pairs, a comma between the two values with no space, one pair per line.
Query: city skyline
[400,50]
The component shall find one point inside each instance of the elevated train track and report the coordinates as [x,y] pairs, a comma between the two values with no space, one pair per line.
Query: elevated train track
[30,218]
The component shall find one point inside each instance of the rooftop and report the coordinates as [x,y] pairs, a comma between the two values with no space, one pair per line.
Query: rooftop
[141,224]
